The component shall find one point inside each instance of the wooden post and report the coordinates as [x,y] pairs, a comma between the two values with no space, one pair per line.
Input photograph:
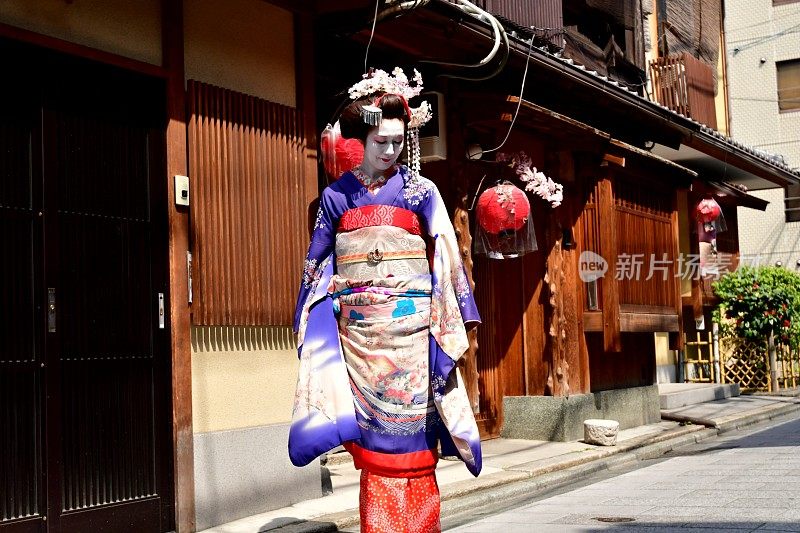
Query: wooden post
[469,361]
[555,284]
[715,352]
[575,301]
[178,223]
[773,364]
[676,339]
[612,337]
[575,351]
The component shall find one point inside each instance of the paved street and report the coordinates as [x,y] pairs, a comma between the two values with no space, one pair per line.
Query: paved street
[743,481]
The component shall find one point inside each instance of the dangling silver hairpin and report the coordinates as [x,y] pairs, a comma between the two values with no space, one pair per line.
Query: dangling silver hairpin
[371,115]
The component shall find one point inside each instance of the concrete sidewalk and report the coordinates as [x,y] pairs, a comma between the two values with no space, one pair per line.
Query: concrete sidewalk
[514,467]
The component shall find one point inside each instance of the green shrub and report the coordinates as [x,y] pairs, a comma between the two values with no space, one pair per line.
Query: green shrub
[756,301]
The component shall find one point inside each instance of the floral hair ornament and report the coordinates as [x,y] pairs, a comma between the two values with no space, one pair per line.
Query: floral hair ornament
[378,81]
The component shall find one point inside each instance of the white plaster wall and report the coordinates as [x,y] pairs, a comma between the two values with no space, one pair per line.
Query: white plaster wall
[242,377]
[130,29]
[243,45]
[756,120]
[764,237]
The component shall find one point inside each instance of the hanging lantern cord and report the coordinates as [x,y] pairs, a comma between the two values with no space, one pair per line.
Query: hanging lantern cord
[475,198]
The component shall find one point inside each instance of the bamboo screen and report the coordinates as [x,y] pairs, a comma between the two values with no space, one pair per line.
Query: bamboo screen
[645,237]
[249,211]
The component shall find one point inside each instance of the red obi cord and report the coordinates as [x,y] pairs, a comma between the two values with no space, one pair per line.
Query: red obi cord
[379,215]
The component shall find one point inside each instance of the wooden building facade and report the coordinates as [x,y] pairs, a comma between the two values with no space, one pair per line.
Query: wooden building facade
[144,330]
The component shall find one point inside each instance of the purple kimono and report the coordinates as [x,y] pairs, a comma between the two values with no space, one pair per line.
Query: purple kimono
[381,320]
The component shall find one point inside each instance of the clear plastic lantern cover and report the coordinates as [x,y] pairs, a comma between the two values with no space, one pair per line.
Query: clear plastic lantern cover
[504,229]
[339,154]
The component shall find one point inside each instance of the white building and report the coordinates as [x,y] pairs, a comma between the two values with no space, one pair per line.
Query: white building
[763,55]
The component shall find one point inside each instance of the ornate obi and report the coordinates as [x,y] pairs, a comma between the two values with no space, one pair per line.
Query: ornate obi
[379,215]
[380,241]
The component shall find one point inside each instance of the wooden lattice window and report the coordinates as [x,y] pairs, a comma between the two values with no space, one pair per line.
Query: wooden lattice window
[646,236]
[251,191]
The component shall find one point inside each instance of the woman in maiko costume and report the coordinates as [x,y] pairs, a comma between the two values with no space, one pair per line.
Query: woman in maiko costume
[381,320]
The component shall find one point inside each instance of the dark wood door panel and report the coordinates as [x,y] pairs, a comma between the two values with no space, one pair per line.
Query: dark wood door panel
[84,411]
[21,445]
[140,516]
[108,446]
[107,305]
[24,525]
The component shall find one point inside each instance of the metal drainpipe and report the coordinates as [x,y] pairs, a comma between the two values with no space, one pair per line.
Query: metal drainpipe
[500,36]
[400,7]
[475,11]
[471,9]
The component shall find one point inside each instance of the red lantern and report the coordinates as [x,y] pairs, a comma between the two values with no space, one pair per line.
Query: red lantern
[503,208]
[707,211]
[504,229]
[339,154]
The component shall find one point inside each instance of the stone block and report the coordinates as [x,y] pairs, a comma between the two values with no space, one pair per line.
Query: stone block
[600,432]
[561,419]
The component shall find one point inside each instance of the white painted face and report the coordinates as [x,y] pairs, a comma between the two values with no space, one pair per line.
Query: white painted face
[383,146]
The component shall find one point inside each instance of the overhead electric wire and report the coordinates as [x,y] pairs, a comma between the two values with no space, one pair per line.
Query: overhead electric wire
[759,23]
[745,99]
[764,39]
[519,102]
[790,141]
[769,36]
[371,34]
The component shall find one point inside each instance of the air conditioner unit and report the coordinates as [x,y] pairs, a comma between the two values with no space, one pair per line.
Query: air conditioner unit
[433,135]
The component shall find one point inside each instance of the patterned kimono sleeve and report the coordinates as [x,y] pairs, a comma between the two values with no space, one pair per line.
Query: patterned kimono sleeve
[323,416]
[317,259]
[453,305]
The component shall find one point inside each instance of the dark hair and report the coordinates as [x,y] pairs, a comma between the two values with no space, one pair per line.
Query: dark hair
[352,124]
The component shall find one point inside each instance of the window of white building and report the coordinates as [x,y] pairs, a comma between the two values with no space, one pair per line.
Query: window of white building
[788,85]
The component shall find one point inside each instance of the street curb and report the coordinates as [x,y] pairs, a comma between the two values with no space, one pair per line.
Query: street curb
[734,422]
[529,478]
[532,479]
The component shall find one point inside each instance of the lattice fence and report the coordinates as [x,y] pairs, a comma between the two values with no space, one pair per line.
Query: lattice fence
[747,363]
[788,367]
[699,358]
